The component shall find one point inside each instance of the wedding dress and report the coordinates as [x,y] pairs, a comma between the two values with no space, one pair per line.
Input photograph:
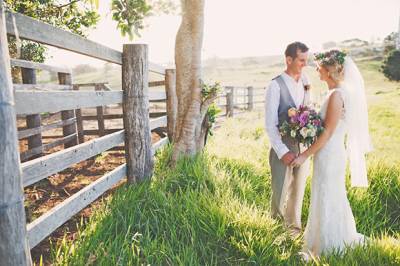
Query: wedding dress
[331,224]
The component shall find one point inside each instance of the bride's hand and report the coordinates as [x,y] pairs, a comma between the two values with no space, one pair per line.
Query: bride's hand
[299,160]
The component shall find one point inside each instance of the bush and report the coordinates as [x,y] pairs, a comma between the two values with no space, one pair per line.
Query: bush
[391,66]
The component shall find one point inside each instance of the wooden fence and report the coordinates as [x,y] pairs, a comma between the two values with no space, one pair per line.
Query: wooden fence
[240,98]
[32,100]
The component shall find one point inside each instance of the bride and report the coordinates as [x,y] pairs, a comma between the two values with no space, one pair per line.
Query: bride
[331,225]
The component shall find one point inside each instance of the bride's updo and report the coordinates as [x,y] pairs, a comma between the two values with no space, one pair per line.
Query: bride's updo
[332,61]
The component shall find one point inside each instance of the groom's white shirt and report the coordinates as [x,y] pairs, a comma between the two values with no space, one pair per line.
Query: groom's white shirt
[272,98]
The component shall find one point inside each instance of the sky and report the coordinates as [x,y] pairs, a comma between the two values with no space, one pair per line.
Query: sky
[240,28]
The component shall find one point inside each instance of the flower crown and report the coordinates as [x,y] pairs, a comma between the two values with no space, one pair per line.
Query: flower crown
[330,58]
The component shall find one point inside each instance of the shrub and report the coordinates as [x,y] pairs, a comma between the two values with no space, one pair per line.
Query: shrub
[391,66]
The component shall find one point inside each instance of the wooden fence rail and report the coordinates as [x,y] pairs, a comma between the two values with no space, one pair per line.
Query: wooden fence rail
[32,99]
[33,131]
[232,94]
[101,115]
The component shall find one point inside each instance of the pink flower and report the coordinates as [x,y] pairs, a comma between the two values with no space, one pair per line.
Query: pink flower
[316,122]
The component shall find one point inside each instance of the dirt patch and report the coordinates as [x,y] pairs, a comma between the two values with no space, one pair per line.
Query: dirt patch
[47,193]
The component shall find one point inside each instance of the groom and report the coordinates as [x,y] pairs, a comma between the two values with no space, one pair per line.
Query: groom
[289,89]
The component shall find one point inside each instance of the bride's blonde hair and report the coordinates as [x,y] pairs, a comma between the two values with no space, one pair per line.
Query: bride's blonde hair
[335,72]
[333,62]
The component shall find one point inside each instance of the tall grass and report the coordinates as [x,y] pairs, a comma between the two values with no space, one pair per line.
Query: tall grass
[214,209]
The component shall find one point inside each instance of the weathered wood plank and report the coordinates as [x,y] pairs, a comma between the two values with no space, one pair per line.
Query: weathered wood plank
[33,131]
[30,153]
[156,68]
[157,114]
[45,147]
[37,169]
[100,113]
[42,87]
[14,249]
[31,29]
[92,84]
[31,102]
[68,130]
[157,96]
[34,120]
[34,65]
[135,108]
[79,121]
[159,144]
[230,101]
[156,83]
[107,117]
[95,132]
[158,122]
[59,142]
[51,220]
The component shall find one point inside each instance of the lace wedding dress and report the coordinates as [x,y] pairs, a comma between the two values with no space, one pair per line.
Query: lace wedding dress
[331,224]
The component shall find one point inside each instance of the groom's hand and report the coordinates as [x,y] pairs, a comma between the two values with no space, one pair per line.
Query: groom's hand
[288,158]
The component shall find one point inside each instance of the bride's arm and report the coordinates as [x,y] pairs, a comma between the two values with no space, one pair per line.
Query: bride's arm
[333,114]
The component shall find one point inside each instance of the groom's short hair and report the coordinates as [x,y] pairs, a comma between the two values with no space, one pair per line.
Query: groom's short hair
[291,49]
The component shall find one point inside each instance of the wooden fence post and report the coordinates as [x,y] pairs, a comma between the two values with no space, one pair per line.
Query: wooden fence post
[230,101]
[14,248]
[79,121]
[65,79]
[100,113]
[250,98]
[32,121]
[172,102]
[139,159]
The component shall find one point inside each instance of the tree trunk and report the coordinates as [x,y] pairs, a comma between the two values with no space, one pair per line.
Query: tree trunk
[189,133]
[172,102]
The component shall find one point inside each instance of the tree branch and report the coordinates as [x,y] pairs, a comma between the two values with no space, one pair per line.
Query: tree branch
[70,3]
[207,101]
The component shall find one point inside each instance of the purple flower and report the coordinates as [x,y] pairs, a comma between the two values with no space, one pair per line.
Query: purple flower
[303,119]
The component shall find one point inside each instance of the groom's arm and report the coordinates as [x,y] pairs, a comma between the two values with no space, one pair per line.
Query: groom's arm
[272,97]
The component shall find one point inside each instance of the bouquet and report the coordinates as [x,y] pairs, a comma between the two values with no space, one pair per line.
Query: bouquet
[304,125]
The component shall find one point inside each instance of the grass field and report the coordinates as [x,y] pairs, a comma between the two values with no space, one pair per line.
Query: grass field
[214,209]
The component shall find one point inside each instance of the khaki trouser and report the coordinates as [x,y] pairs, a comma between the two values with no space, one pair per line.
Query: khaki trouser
[294,186]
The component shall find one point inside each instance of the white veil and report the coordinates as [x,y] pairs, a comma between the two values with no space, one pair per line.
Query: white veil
[358,139]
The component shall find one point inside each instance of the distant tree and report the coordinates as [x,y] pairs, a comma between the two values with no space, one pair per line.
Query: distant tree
[389,43]
[391,65]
